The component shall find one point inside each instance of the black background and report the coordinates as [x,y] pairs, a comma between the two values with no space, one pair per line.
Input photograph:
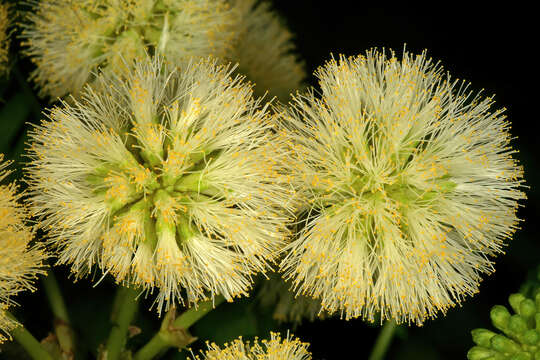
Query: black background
[492,47]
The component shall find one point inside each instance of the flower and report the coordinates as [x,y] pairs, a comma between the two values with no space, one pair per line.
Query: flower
[521,339]
[20,262]
[409,185]
[4,37]
[170,179]
[265,51]
[273,349]
[287,307]
[68,40]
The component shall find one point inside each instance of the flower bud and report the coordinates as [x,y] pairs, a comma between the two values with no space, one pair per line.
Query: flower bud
[517,324]
[531,337]
[527,308]
[481,353]
[500,317]
[482,336]
[505,345]
[515,300]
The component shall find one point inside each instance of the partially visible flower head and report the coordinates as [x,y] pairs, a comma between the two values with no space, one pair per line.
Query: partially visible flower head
[287,306]
[170,180]
[289,348]
[410,186]
[20,262]
[68,40]
[4,37]
[264,50]
[520,337]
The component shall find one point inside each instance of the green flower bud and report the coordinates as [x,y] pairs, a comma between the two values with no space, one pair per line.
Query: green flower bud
[500,317]
[515,300]
[521,356]
[531,337]
[480,353]
[505,345]
[537,301]
[527,308]
[517,324]
[482,336]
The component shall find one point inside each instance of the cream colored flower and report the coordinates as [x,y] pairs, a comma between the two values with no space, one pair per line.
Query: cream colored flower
[4,37]
[68,40]
[273,349]
[170,179]
[265,51]
[410,188]
[20,262]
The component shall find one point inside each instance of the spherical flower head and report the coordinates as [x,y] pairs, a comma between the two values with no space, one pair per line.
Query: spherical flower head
[4,38]
[265,50]
[276,348]
[68,40]
[520,337]
[288,307]
[169,179]
[20,262]
[409,183]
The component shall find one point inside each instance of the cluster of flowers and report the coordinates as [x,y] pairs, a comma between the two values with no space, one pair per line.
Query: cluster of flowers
[385,192]
[521,331]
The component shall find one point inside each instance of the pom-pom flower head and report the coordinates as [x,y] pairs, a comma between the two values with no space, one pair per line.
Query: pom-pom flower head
[264,50]
[410,186]
[169,179]
[19,262]
[273,349]
[68,40]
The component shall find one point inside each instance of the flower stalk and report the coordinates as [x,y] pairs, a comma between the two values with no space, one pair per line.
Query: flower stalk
[62,324]
[122,316]
[29,342]
[173,332]
[383,340]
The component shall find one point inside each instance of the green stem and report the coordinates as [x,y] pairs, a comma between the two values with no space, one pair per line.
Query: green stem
[29,343]
[126,308]
[383,340]
[174,332]
[62,325]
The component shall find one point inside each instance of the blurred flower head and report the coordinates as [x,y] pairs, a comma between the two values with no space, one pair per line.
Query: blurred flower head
[68,40]
[170,179]
[264,49]
[20,262]
[273,349]
[4,37]
[288,307]
[409,185]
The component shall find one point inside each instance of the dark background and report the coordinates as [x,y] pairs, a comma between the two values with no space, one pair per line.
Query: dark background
[491,46]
